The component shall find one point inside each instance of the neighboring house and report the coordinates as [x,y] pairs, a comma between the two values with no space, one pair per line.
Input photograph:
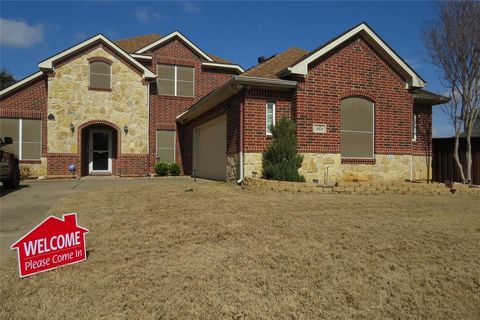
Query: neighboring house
[119,107]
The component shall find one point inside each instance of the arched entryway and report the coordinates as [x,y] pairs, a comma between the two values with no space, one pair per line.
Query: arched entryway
[99,141]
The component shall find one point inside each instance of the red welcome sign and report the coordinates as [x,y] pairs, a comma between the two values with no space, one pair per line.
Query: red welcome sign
[51,244]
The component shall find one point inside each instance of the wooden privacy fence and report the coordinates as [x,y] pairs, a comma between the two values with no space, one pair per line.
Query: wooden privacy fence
[443,163]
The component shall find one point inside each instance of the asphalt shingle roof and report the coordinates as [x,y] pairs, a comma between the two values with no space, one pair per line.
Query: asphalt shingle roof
[421,95]
[271,67]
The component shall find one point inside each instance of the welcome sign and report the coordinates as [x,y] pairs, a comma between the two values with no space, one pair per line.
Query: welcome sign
[51,244]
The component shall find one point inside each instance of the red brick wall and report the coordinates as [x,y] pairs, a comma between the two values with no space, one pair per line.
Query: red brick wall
[29,102]
[165,109]
[423,144]
[255,137]
[353,69]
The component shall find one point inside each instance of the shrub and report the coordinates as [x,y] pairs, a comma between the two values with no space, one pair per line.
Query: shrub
[25,172]
[174,169]
[162,168]
[281,160]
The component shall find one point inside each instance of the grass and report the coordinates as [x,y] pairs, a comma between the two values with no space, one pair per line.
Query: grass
[219,252]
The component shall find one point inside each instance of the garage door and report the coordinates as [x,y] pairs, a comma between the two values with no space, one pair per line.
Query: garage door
[210,149]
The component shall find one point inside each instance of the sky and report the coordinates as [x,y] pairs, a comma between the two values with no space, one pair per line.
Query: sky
[237,31]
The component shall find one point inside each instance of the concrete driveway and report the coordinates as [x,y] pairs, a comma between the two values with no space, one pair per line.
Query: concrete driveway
[24,208]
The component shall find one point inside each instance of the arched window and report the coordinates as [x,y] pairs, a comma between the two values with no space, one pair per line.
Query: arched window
[100,73]
[357,128]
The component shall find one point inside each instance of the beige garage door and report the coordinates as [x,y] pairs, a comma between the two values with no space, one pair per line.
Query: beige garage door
[210,149]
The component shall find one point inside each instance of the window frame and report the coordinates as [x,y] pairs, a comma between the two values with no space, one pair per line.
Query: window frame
[269,134]
[20,139]
[174,145]
[175,80]
[373,130]
[90,75]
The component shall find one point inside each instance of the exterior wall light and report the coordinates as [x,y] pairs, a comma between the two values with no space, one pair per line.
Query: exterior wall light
[72,128]
[51,116]
[125,129]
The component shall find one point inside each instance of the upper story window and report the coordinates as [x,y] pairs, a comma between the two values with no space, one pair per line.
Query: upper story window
[357,128]
[270,117]
[175,80]
[100,75]
[26,135]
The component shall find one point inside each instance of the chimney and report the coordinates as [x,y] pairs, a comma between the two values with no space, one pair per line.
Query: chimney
[70,219]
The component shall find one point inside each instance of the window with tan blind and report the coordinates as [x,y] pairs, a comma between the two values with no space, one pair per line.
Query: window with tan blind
[100,75]
[166,146]
[26,135]
[175,80]
[357,130]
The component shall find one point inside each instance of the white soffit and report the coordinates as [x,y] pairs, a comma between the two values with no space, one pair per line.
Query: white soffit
[223,65]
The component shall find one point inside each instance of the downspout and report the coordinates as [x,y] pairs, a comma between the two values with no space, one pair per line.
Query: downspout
[239,181]
[148,128]
[413,130]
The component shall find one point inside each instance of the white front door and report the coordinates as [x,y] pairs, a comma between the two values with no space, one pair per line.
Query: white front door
[100,152]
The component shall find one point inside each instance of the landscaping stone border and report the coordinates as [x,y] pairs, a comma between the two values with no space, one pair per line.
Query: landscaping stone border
[380,187]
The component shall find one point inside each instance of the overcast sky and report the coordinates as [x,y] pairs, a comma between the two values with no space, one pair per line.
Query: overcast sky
[238,31]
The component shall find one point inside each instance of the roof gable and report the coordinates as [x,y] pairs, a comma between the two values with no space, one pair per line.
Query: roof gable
[49,63]
[180,36]
[300,67]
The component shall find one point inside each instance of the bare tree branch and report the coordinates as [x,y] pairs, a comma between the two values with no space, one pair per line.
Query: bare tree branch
[453,45]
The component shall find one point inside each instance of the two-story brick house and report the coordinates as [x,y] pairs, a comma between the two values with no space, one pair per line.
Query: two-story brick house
[119,107]
[101,107]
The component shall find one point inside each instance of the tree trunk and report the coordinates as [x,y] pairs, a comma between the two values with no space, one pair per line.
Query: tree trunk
[469,160]
[456,157]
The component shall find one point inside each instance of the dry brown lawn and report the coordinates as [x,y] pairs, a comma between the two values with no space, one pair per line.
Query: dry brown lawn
[219,252]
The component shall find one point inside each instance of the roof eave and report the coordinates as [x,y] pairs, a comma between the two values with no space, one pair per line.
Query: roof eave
[223,66]
[431,101]
[233,86]
[171,36]
[21,83]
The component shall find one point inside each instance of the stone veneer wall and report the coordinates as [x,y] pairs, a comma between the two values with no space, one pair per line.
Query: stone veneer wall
[71,101]
[315,165]
[35,169]
[233,167]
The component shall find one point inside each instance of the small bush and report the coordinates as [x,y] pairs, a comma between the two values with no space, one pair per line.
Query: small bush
[281,160]
[174,169]
[25,172]
[162,168]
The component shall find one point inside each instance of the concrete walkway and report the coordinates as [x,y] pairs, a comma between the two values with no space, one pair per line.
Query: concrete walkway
[24,208]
